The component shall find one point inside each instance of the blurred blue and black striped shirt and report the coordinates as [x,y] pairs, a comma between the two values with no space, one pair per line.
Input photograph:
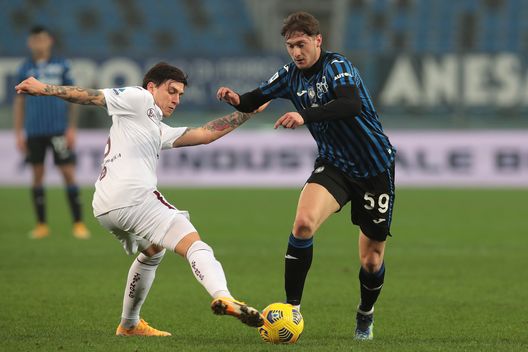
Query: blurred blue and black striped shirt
[357,146]
[46,116]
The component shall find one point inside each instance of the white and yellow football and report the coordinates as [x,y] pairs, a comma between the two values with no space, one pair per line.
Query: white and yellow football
[282,324]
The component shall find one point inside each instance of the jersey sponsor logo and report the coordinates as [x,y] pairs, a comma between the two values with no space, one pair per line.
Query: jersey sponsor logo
[378,221]
[341,75]
[322,87]
[286,68]
[336,61]
[319,170]
[112,159]
[301,93]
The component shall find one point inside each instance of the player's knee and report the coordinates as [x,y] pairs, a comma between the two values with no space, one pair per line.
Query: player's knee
[371,262]
[152,260]
[304,226]
[68,175]
[38,179]
[198,246]
[183,244]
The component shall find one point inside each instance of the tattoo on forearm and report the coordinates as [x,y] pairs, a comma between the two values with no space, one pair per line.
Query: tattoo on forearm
[230,122]
[78,95]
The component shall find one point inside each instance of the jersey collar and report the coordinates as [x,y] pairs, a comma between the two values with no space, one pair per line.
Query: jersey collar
[309,72]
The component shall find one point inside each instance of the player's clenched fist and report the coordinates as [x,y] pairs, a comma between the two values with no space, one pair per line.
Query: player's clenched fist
[290,120]
[228,95]
[31,86]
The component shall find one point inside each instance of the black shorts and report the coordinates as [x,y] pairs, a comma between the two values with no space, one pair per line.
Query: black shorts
[371,199]
[37,147]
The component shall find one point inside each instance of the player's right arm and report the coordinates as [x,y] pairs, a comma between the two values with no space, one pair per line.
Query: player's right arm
[73,94]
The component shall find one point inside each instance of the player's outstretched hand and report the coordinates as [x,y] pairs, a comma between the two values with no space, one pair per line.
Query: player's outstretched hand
[289,120]
[30,86]
[228,95]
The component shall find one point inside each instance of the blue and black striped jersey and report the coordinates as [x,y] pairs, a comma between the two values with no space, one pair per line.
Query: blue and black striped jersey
[356,145]
[46,116]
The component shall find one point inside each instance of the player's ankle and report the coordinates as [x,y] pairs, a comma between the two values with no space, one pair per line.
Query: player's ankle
[129,323]
[222,293]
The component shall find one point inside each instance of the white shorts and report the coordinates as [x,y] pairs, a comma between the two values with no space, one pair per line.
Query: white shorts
[139,226]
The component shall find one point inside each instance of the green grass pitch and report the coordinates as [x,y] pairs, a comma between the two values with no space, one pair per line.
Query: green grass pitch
[456,276]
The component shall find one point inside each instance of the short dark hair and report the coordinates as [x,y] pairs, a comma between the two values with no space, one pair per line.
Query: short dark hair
[162,72]
[300,22]
[37,29]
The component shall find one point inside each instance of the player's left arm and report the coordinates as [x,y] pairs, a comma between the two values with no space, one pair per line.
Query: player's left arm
[73,94]
[346,102]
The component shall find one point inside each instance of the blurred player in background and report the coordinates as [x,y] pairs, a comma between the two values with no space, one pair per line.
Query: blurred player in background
[355,161]
[42,124]
[126,201]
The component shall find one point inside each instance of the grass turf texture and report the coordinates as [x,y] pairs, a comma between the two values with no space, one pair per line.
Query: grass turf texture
[455,276]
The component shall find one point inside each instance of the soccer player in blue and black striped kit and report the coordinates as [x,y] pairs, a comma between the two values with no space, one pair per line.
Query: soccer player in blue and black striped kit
[355,158]
[42,123]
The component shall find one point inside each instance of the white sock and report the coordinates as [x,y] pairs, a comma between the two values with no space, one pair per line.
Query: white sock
[207,270]
[140,278]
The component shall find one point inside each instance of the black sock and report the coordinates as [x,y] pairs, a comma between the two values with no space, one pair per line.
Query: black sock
[371,284]
[297,263]
[39,203]
[73,199]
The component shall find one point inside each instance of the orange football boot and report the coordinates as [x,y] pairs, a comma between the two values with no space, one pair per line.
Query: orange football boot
[230,306]
[141,329]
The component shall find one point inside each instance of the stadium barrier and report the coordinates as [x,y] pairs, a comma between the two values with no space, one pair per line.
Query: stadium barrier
[284,158]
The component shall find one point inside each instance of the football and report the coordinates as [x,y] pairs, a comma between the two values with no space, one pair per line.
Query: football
[282,324]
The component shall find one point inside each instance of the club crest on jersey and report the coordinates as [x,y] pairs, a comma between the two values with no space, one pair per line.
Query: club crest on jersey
[311,93]
[151,113]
